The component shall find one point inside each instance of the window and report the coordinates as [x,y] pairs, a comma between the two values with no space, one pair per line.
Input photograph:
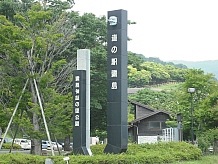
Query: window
[163,125]
[156,125]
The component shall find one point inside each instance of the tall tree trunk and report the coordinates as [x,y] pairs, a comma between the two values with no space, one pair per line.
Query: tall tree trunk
[67,143]
[0,132]
[35,143]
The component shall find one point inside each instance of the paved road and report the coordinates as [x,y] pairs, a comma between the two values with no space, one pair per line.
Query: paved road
[5,151]
[44,152]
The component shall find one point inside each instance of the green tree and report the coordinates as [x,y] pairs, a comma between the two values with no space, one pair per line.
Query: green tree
[44,39]
[176,74]
[204,100]
[158,72]
[90,33]
[48,47]
[138,78]
[135,60]
[161,100]
[11,65]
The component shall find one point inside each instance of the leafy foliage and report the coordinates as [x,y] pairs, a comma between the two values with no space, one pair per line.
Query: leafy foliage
[30,45]
[161,100]
[207,139]
[142,73]
[45,39]
[8,146]
[179,100]
[206,91]
[138,78]
[144,153]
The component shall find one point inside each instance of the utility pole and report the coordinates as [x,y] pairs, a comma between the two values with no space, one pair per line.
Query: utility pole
[191,91]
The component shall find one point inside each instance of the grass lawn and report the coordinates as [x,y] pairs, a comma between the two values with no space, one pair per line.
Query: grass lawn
[169,86]
[210,159]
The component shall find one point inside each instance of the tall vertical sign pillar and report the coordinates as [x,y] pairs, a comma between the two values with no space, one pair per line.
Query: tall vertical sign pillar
[79,114]
[81,132]
[117,130]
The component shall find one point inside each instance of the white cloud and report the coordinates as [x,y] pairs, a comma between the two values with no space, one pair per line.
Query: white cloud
[168,29]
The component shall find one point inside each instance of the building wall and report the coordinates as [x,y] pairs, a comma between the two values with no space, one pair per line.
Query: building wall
[145,126]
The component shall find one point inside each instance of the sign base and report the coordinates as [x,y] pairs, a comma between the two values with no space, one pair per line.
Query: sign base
[81,151]
[114,149]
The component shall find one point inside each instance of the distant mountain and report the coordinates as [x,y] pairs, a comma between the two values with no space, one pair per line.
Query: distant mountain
[157,60]
[209,66]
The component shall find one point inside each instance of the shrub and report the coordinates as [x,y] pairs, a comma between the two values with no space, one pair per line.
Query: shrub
[161,152]
[144,153]
[207,139]
[8,146]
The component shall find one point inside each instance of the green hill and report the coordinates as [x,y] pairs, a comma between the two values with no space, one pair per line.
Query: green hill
[209,66]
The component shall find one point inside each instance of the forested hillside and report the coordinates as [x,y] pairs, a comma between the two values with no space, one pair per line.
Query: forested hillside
[152,71]
[177,99]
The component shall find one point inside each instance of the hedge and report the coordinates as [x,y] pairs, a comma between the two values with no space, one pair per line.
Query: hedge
[137,154]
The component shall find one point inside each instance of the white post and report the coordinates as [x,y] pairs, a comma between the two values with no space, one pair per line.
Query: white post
[83,63]
[171,130]
[40,103]
[43,116]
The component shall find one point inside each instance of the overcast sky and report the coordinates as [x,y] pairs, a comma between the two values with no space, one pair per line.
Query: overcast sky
[167,29]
